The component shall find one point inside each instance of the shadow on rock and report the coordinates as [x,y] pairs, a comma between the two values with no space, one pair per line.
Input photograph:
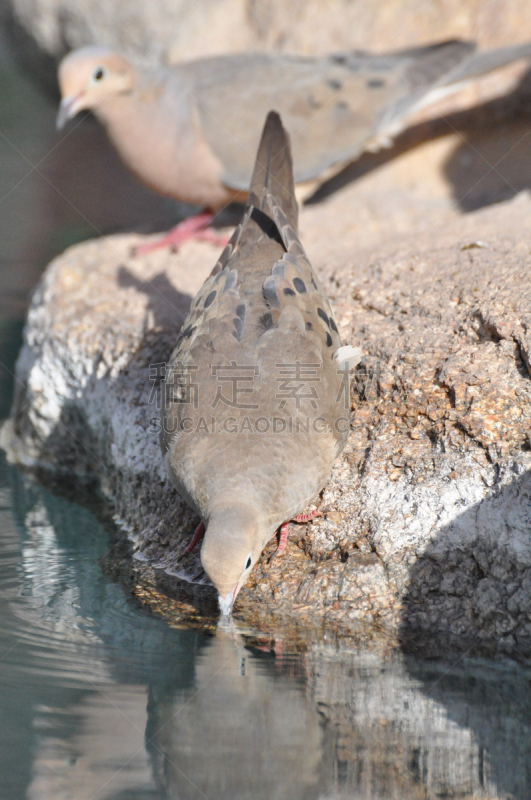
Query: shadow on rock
[493,163]
[470,590]
[165,302]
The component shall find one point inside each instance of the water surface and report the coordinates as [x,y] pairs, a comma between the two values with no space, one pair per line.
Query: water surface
[101,699]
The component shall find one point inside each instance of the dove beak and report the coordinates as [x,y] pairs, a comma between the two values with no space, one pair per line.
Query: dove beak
[227,601]
[68,108]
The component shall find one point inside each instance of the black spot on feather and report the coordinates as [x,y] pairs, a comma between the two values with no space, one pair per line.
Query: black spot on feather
[333,325]
[240,311]
[323,316]
[299,285]
[210,299]
[266,321]
[334,84]
[289,292]
[328,340]
[309,326]
[266,224]
[188,331]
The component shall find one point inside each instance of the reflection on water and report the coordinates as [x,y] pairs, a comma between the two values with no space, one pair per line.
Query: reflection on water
[99,699]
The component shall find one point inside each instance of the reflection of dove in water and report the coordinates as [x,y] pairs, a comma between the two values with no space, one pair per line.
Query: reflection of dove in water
[241,732]
[242,447]
[191,131]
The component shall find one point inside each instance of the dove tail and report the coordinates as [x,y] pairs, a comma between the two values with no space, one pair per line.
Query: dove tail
[273,170]
[480,63]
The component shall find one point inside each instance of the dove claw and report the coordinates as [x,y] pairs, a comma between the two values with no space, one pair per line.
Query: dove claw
[195,227]
[301,518]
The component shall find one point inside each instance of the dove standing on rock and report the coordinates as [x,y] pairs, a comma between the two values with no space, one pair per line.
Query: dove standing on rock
[256,398]
[191,131]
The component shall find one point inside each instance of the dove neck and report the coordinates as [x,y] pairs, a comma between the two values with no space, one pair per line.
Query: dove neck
[233,518]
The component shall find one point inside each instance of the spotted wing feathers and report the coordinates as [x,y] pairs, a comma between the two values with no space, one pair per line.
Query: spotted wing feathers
[294,283]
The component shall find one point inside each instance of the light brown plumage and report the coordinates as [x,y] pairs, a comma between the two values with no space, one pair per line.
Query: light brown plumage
[256,403]
[191,131]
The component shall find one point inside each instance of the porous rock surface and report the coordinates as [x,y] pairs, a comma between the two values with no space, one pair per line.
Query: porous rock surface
[174,29]
[427,517]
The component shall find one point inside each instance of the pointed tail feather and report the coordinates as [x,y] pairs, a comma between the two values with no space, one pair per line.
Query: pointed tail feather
[273,170]
[480,63]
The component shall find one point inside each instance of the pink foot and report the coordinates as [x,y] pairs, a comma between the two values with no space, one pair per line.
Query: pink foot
[283,530]
[307,517]
[192,228]
[198,534]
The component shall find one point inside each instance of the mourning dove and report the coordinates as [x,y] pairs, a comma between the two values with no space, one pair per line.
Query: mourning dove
[256,406]
[191,131]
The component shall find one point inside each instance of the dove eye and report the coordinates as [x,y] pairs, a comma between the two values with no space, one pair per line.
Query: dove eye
[98,74]
[248,562]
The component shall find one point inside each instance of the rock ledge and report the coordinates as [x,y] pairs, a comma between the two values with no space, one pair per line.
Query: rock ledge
[427,516]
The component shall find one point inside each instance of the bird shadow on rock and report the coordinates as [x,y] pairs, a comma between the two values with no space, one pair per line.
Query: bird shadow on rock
[490,165]
[166,304]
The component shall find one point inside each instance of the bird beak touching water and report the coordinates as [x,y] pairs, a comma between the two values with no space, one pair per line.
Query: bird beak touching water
[227,601]
[68,109]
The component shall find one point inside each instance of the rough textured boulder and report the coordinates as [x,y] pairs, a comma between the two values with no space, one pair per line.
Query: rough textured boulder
[175,29]
[427,514]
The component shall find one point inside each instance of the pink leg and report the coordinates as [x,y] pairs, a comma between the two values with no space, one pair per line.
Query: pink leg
[282,538]
[198,534]
[192,228]
[283,530]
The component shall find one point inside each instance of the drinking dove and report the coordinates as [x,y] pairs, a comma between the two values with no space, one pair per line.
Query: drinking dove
[190,131]
[256,398]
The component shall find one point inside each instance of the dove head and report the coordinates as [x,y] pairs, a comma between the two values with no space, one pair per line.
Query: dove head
[89,78]
[231,547]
